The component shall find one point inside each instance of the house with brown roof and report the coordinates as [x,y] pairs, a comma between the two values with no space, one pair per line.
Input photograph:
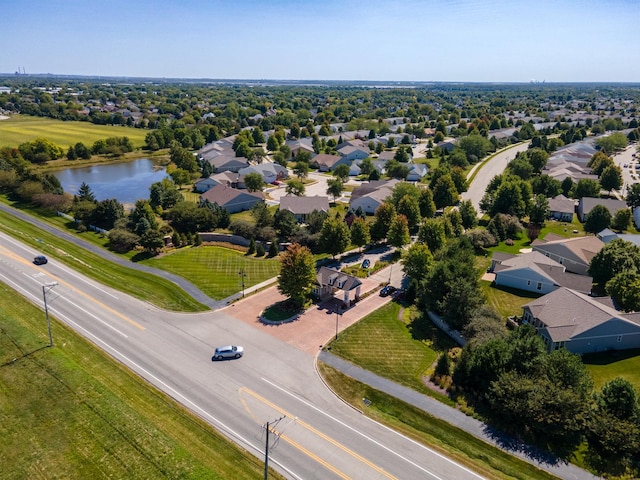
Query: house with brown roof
[301,207]
[535,272]
[333,283]
[574,253]
[233,200]
[326,162]
[582,324]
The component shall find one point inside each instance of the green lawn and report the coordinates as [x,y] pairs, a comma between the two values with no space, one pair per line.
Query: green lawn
[564,229]
[23,128]
[607,366]
[72,412]
[506,301]
[398,349]
[215,270]
[150,288]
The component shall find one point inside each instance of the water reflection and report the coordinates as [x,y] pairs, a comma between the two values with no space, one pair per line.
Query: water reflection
[126,182]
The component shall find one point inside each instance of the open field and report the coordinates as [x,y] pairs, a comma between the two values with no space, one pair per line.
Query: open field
[72,412]
[216,270]
[22,128]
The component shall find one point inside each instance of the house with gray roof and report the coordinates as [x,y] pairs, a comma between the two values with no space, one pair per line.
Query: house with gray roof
[607,236]
[333,283]
[586,204]
[301,207]
[537,273]
[350,153]
[582,324]
[416,172]
[574,253]
[232,199]
[270,171]
[561,208]
[222,178]
[370,195]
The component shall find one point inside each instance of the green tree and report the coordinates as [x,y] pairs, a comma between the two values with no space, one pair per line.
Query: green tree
[261,215]
[334,236]
[586,187]
[445,192]
[538,159]
[366,166]
[598,219]
[417,261]
[427,205]
[612,143]
[615,257]
[384,214]
[295,187]
[285,223]
[468,214]
[297,273]
[409,207]
[301,170]
[633,195]
[621,220]
[107,213]
[624,288]
[152,241]
[398,234]
[334,188]
[360,233]
[539,210]
[85,193]
[254,182]
[341,172]
[432,234]
[180,177]
[611,178]
[475,147]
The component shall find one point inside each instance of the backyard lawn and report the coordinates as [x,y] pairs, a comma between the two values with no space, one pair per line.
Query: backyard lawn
[23,128]
[606,366]
[216,270]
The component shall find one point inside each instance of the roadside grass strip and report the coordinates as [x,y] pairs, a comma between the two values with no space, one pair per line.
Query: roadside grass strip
[73,412]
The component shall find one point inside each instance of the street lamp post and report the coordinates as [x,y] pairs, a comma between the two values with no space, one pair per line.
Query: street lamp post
[337,316]
[242,275]
[45,289]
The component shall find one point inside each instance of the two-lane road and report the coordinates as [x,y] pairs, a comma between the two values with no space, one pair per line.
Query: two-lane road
[316,435]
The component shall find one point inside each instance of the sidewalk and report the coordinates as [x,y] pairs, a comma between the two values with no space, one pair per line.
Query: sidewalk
[456,418]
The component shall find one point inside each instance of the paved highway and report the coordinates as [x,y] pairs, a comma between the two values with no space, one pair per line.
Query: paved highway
[316,435]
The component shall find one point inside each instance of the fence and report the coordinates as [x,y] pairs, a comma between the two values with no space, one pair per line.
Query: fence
[442,325]
[90,227]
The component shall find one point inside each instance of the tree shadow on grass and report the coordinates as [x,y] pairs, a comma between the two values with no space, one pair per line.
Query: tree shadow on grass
[421,328]
[138,257]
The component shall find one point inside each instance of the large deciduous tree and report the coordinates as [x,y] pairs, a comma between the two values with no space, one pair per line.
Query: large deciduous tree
[598,219]
[398,235]
[360,233]
[297,273]
[334,236]
[615,257]
[254,182]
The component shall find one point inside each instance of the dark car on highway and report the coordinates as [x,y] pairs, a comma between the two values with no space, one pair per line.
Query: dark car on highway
[40,260]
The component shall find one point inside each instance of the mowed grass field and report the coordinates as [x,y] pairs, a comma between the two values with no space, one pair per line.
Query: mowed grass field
[216,270]
[73,412]
[23,128]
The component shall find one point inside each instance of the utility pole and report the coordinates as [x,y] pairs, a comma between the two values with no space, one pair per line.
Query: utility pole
[45,289]
[337,316]
[266,447]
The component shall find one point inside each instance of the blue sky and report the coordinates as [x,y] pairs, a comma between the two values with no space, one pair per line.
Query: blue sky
[410,40]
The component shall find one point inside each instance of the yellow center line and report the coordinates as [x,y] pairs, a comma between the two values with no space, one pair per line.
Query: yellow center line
[68,285]
[318,433]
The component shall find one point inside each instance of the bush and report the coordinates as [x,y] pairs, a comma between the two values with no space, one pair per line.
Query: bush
[260,252]
[242,228]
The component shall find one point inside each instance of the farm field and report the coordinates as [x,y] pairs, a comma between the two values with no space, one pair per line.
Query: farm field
[22,128]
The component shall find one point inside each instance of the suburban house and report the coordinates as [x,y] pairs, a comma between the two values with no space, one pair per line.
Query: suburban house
[607,236]
[330,282]
[303,206]
[574,253]
[586,204]
[298,146]
[231,199]
[223,178]
[561,208]
[565,169]
[416,172]
[369,196]
[580,323]
[228,163]
[534,272]
[271,172]
[326,162]
[351,153]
